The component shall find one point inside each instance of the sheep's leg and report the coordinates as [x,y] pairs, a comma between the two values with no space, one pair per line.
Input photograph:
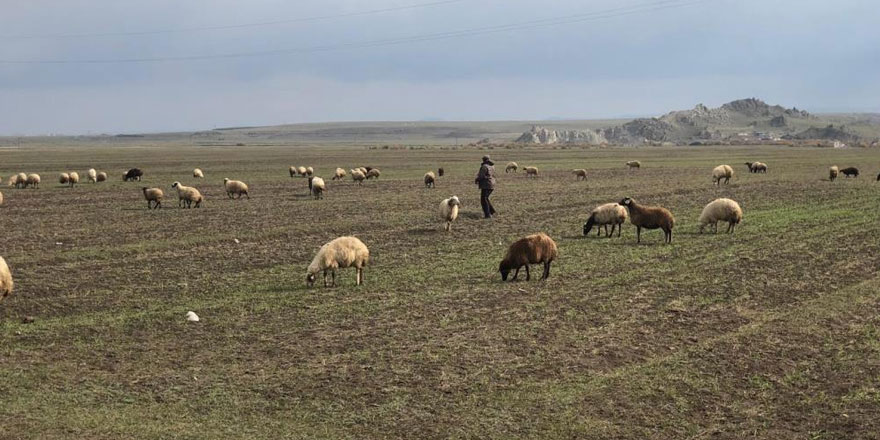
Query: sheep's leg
[333,277]
[638,234]
[158,204]
[248,196]
[515,274]
[546,270]
[528,275]
[619,227]
[325,277]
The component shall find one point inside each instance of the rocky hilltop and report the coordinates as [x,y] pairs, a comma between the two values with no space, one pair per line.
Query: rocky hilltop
[749,117]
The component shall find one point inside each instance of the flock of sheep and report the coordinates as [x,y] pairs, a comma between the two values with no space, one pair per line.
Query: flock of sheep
[346,252]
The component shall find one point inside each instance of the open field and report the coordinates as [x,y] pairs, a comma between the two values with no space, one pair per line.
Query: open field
[768,333]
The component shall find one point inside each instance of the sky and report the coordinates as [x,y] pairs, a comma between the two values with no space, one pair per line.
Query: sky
[66,66]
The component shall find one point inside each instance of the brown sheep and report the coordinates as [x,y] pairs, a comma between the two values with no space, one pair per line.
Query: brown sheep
[649,217]
[532,249]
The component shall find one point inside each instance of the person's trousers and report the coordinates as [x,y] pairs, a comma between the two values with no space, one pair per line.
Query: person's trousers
[488,209]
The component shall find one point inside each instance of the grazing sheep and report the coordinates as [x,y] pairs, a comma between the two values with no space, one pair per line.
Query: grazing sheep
[511,166]
[198,174]
[301,171]
[373,172]
[132,175]
[73,178]
[603,215]
[102,176]
[367,169]
[292,171]
[33,180]
[235,188]
[722,172]
[532,249]
[579,174]
[310,171]
[19,180]
[339,174]
[6,283]
[850,172]
[1,198]
[721,210]
[358,176]
[317,187]
[429,179]
[649,217]
[757,167]
[338,254]
[832,173]
[633,164]
[449,211]
[153,196]
[92,175]
[363,170]
[440,172]
[63,178]
[531,171]
[187,195]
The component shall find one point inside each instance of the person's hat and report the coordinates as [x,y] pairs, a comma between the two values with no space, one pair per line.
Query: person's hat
[485,158]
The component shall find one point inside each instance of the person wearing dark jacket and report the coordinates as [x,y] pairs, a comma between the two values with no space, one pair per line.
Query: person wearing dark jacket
[486,180]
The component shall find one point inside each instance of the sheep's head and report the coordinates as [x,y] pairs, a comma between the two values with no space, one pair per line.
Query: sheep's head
[588,226]
[310,279]
[175,184]
[453,201]
[505,271]
[626,202]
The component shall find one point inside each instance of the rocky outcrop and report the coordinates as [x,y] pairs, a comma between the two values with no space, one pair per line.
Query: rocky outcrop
[543,135]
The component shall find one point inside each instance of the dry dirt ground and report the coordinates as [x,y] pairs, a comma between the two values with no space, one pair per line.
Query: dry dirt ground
[768,333]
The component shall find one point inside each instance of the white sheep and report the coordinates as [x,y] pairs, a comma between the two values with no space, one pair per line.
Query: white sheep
[449,211]
[198,174]
[64,178]
[608,214]
[73,178]
[338,254]
[187,195]
[19,180]
[721,210]
[722,172]
[235,187]
[310,171]
[430,177]
[832,174]
[102,176]
[317,187]
[511,166]
[1,198]
[92,175]
[6,283]
[358,176]
[33,180]
[339,174]
[633,164]
[373,173]
[301,171]
[579,174]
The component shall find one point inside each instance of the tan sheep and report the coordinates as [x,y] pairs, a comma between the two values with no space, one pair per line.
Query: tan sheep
[292,170]
[64,178]
[358,176]
[363,170]
[102,176]
[235,188]
[532,249]
[154,197]
[1,198]
[720,172]
[310,171]
[187,195]
[449,211]
[33,180]
[511,166]
[317,189]
[301,171]
[373,173]
[531,171]
[832,173]
[339,174]
[633,164]
[92,175]
[73,178]
[430,177]
[198,174]
[338,254]
[608,214]
[579,174]
[6,283]
[721,210]
[19,180]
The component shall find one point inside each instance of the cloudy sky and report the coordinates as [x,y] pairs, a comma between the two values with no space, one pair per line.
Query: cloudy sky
[91,66]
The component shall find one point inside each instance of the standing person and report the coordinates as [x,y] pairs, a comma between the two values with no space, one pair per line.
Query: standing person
[486,180]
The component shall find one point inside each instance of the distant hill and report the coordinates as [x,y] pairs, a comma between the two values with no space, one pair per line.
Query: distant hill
[740,119]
